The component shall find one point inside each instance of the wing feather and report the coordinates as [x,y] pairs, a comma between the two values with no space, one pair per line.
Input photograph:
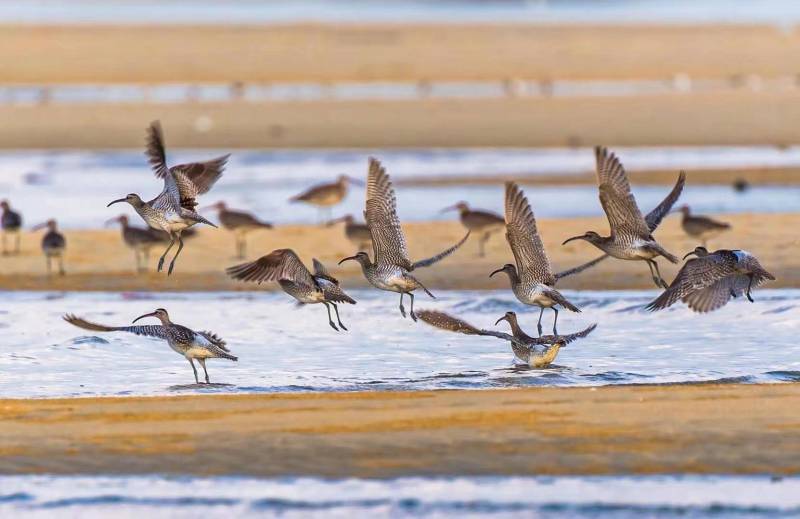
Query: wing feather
[619,204]
[388,240]
[275,266]
[522,234]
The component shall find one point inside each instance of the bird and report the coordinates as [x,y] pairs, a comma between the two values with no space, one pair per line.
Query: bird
[708,281]
[184,341]
[173,210]
[740,185]
[532,278]
[240,223]
[357,233]
[701,227]
[285,267]
[631,233]
[391,268]
[53,245]
[140,239]
[537,352]
[484,222]
[326,195]
[11,222]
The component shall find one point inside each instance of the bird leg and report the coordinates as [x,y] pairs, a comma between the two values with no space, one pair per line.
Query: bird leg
[61,270]
[413,315]
[555,321]
[196,380]
[482,244]
[172,263]
[161,259]
[17,240]
[5,251]
[402,308]
[49,266]
[658,274]
[336,309]
[330,321]
[749,286]
[657,279]
[539,324]
[203,363]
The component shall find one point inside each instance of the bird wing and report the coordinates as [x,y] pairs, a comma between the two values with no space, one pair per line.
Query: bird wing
[447,322]
[655,216]
[442,255]
[523,237]
[697,274]
[388,241]
[580,268]
[215,339]
[624,216]
[146,330]
[714,296]
[321,272]
[572,337]
[278,264]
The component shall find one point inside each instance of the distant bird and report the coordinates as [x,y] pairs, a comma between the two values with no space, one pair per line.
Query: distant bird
[391,269]
[140,240]
[11,222]
[741,185]
[324,196]
[174,209]
[189,343]
[532,278]
[53,245]
[285,267]
[707,282]
[535,352]
[357,233]
[631,233]
[699,227]
[240,223]
[481,222]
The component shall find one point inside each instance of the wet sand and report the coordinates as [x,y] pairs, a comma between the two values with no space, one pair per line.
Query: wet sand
[699,429]
[98,260]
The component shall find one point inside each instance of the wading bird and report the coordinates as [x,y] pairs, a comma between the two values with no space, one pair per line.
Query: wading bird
[189,343]
[700,227]
[391,269]
[325,196]
[240,223]
[11,222]
[173,210]
[53,245]
[480,222]
[631,233]
[357,233]
[285,267]
[140,240]
[708,282]
[537,352]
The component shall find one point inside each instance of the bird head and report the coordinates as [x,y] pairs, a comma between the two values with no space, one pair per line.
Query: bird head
[131,198]
[160,313]
[123,219]
[682,209]
[461,207]
[509,317]
[345,179]
[348,218]
[508,268]
[4,205]
[698,251]
[590,236]
[362,257]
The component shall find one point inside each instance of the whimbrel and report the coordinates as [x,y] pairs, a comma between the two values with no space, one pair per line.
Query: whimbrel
[391,269]
[537,352]
[240,223]
[11,222]
[173,210]
[484,222]
[357,233]
[631,233]
[189,343]
[532,278]
[707,282]
[53,245]
[324,196]
[701,227]
[139,239]
[285,267]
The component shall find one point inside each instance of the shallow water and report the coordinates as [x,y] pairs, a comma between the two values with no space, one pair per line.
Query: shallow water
[580,497]
[286,349]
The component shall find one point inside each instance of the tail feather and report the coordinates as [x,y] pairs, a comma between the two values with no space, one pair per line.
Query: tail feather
[199,219]
[417,281]
[664,252]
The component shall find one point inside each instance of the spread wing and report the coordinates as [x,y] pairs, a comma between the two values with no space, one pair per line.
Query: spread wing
[388,241]
[696,275]
[565,339]
[146,330]
[580,268]
[321,272]
[215,339]
[624,216]
[449,323]
[275,266]
[523,237]
[655,216]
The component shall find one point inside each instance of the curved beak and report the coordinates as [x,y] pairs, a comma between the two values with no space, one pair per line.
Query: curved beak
[355,181]
[116,201]
[689,254]
[346,259]
[39,226]
[581,237]
[449,208]
[333,222]
[151,314]
[206,208]
[504,318]
[111,220]
[495,272]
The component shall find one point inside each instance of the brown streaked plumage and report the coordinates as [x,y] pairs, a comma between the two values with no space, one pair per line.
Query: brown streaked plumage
[240,223]
[53,245]
[481,222]
[700,227]
[324,196]
[140,240]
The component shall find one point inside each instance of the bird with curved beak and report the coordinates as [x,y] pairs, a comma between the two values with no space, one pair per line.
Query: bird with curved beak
[173,211]
[53,245]
[391,269]
[631,235]
[326,195]
[11,223]
[190,344]
[700,227]
[357,233]
[238,222]
[139,239]
[476,220]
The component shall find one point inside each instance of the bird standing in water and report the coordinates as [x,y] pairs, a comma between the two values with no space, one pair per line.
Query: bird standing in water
[53,246]
[240,223]
[11,222]
[482,222]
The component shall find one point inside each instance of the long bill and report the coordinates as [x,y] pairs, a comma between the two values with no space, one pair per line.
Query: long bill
[347,259]
[501,269]
[581,237]
[504,318]
[39,226]
[151,314]
[448,208]
[116,201]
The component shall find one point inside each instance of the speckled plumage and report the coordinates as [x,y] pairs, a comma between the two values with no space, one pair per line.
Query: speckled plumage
[701,227]
[11,224]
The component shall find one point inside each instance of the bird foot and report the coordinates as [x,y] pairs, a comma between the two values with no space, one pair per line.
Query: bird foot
[343,327]
[171,266]
[402,310]
[333,326]
[414,316]
[539,328]
[160,264]
[749,297]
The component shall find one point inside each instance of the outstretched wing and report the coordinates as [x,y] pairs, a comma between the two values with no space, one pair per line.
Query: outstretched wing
[449,323]
[146,330]
[624,216]
[523,237]
[215,339]
[442,255]
[275,266]
[563,339]
[580,268]
[321,272]
[388,240]
[699,274]
[655,216]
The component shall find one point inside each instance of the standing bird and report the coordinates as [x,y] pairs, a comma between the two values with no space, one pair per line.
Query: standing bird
[189,343]
[11,222]
[535,352]
[707,282]
[285,267]
[701,227]
[391,269]
[631,233]
[357,233]
[484,222]
[325,196]
[53,245]
[139,239]
[240,223]
[173,210]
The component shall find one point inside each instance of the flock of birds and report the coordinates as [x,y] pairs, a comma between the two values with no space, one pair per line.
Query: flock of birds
[705,283]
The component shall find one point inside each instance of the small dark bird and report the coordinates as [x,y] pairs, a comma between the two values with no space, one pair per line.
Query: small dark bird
[537,352]
[184,341]
[324,196]
[240,223]
[478,221]
[741,185]
[53,245]
[699,227]
[285,267]
[357,233]
[707,282]
[140,240]
[11,222]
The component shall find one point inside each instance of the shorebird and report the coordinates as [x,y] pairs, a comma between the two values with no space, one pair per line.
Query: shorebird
[532,278]
[139,239]
[324,196]
[53,245]
[701,227]
[537,352]
[391,269]
[240,223]
[189,343]
[173,210]
[484,222]
[631,233]
[11,222]
[707,282]
[285,267]
[357,233]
